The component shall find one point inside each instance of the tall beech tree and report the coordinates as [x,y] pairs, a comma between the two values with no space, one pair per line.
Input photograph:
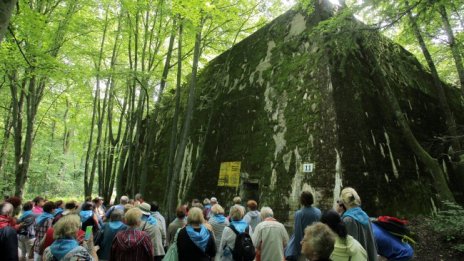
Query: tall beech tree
[28,85]
[6,10]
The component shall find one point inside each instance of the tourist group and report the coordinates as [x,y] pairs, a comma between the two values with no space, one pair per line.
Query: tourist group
[201,231]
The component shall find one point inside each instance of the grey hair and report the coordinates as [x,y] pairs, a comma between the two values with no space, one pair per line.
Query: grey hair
[236,213]
[117,215]
[6,209]
[124,200]
[266,212]
[320,238]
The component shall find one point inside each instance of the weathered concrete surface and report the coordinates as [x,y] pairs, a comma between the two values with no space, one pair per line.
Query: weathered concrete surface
[272,103]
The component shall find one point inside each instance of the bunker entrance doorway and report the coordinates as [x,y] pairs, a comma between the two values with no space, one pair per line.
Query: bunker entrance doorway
[250,190]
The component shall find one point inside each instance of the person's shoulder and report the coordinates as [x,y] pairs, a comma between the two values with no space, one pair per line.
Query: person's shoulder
[9,231]
[158,226]
[351,240]
[278,224]
[182,234]
[347,219]
[172,225]
[227,229]
[183,230]
[78,254]
[143,234]
[121,233]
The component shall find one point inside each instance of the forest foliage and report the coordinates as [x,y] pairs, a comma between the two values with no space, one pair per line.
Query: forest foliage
[80,80]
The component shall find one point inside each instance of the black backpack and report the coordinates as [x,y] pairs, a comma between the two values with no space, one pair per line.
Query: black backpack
[243,248]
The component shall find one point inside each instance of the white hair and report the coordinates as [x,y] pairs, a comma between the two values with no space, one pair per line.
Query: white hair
[124,200]
[7,209]
[266,212]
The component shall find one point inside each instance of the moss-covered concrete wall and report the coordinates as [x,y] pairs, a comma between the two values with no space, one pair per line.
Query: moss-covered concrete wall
[272,103]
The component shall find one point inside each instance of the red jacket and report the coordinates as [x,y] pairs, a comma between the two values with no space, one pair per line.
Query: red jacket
[48,241]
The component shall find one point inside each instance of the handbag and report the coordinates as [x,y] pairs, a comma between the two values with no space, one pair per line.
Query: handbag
[172,254]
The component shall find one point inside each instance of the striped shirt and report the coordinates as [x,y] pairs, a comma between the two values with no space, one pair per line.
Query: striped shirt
[40,231]
[131,244]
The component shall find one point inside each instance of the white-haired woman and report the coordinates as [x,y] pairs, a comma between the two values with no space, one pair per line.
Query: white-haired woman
[228,235]
[65,246]
[357,221]
[218,222]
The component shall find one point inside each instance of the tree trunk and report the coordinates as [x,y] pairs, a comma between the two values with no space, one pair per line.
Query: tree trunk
[453,46]
[22,163]
[18,95]
[90,175]
[6,9]
[431,164]
[111,144]
[449,118]
[175,120]
[66,132]
[443,100]
[173,186]
[6,139]
[151,127]
[30,94]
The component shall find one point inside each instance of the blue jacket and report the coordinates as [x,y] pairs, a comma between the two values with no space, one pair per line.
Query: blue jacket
[110,230]
[303,218]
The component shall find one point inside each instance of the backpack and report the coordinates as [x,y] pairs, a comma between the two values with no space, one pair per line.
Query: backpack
[395,226]
[27,229]
[243,247]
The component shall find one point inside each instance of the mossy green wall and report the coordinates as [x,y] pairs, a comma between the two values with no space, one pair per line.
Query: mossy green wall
[272,103]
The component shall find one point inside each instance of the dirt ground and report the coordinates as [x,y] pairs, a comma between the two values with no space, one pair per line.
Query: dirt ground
[429,245]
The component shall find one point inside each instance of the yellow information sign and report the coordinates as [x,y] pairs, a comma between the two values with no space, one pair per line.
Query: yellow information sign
[229,174]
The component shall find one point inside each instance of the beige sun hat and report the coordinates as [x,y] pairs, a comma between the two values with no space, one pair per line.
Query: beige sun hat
[145,208]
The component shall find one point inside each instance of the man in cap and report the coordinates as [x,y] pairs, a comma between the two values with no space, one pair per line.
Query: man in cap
[153,228]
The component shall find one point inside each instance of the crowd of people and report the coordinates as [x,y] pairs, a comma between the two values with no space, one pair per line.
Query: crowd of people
[202,231]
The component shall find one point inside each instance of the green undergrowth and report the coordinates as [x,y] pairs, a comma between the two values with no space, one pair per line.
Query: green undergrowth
[448,223]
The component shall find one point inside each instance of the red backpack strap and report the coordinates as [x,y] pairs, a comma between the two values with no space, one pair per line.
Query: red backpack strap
[392,219]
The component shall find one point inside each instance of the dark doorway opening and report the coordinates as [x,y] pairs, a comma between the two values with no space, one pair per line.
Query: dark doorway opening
[250,190]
